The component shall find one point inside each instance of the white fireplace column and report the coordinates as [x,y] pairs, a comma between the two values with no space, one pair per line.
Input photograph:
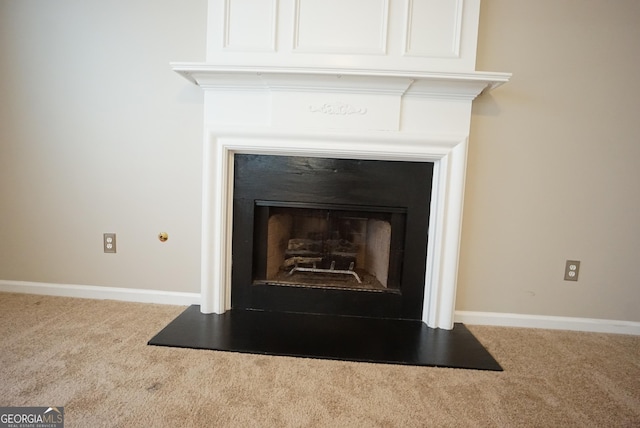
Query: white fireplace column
[363,79]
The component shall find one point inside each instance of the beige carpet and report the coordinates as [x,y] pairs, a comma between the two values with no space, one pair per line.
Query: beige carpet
[91,357]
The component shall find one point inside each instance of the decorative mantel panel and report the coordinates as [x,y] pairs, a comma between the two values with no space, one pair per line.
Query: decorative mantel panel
[433,35]
[359,79]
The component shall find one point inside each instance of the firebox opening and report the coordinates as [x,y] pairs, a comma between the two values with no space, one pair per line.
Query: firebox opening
[291,212]
[328,246]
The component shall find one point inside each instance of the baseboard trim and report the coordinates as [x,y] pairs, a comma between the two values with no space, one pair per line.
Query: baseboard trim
[186,299]
[101,293]
[548,322]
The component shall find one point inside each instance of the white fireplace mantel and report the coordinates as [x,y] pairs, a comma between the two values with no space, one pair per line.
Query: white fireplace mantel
[453,85]
[359,79]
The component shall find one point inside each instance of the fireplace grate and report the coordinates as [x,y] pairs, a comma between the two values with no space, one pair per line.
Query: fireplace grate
[332,270]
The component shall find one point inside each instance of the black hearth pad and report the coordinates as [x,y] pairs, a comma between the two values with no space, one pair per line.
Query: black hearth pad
[331,337]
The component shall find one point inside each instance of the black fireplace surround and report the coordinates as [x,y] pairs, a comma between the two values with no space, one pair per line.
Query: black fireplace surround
[319,260]
[316,215]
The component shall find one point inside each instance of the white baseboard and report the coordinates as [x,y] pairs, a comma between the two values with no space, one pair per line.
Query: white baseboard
[102,293]
[548,322]
[186,299]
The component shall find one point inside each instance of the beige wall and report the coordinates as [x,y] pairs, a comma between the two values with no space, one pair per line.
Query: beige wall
[554,157]
[97,134]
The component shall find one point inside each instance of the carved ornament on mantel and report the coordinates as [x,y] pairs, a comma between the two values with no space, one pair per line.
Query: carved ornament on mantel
[337,108]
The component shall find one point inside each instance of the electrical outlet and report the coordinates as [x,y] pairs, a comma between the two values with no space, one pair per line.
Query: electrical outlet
[109,242]
[571,270]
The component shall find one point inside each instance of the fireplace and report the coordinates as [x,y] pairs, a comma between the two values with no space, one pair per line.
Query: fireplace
[332,236]
[396,85]
[328,246]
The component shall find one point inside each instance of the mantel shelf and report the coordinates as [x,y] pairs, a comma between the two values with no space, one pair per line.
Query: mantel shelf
[454,85]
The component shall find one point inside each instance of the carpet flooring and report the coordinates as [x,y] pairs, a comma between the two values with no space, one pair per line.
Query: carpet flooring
[92,357]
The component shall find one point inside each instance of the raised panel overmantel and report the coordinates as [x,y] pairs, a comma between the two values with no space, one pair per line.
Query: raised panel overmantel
[359,34]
